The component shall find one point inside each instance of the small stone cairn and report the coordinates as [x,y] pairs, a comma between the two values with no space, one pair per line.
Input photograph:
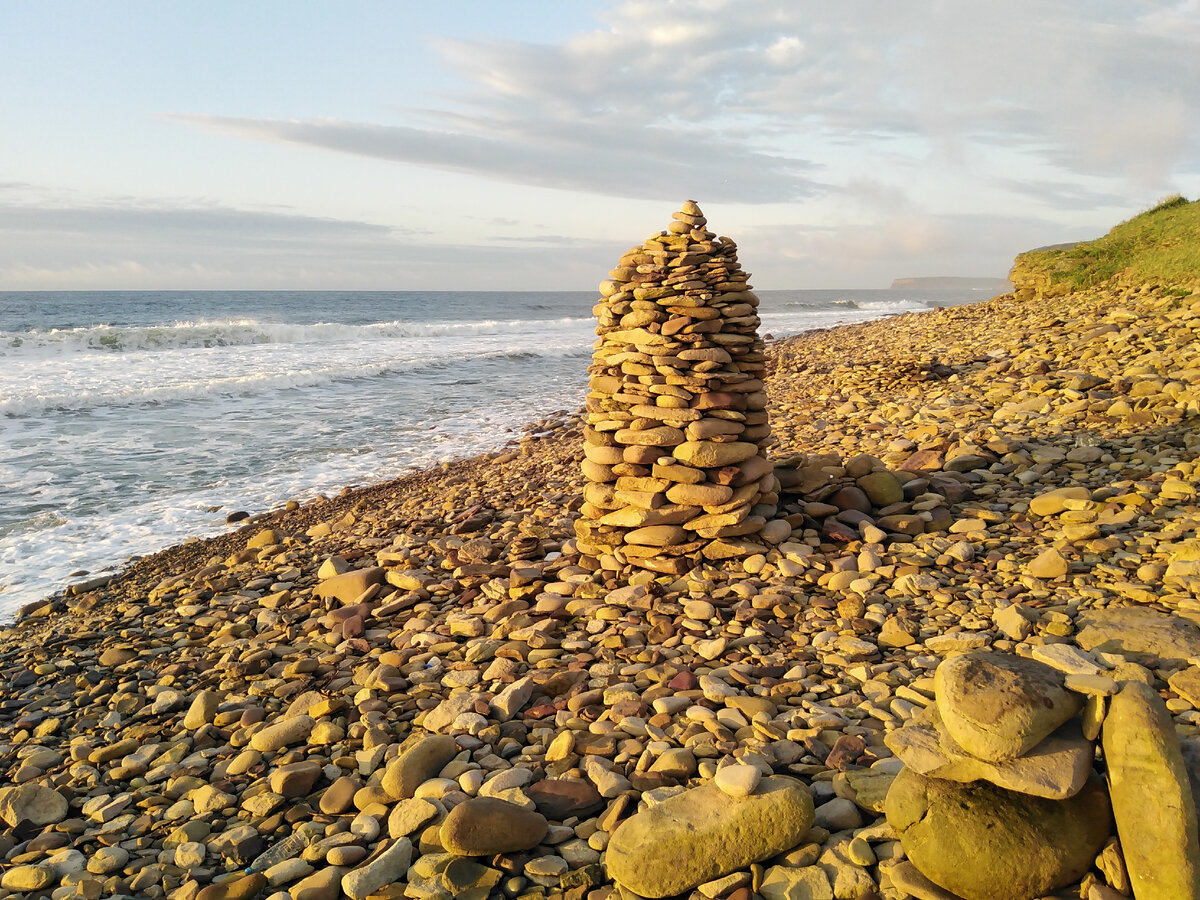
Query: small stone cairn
[998,798]
[677,430]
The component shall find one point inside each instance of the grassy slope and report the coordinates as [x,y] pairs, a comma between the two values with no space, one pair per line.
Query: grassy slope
[1160,246]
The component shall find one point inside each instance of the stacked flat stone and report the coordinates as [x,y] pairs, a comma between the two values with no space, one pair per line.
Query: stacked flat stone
[676,433]
[1000,765]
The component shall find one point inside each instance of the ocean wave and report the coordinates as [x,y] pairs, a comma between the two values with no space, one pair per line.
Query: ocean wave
[160,390]
[36,522]
[242,332]
[881,306]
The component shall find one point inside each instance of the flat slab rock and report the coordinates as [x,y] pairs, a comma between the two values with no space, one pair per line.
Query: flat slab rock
[998,706]
[1139,634]
[703,833]
[1057,768]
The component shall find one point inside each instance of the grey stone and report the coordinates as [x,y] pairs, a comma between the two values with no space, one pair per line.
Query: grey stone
[409,815]
[388,866]
[787,883]
[907,878]
[32,802]
[442,716]
[509,701]
[1190,748]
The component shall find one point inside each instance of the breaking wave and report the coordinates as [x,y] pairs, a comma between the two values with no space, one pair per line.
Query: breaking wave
[244,332]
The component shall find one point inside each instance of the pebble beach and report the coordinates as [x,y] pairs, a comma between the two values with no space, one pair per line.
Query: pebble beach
[417,689]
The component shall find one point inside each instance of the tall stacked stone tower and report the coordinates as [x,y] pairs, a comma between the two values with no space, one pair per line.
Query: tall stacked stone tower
[677,431]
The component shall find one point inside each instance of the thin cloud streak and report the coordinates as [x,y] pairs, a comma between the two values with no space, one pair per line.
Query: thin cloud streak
[180,223]
[116,245]
[559,155]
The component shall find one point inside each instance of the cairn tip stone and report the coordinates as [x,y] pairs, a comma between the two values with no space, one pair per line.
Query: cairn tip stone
[676,424]
[982,842]
[1152,799]
[704,833]
[999,706]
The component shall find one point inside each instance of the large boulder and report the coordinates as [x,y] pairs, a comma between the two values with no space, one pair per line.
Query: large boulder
[704,833]
[1139,634]
[997,706]
[33,803]
[982,842]
[1151,796]
[1191,761]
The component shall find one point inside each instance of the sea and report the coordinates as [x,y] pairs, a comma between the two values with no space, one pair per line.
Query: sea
[130,421]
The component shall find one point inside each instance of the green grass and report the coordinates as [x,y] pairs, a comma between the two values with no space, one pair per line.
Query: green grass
[1160,246]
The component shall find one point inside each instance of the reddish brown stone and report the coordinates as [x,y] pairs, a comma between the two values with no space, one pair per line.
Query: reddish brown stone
[559,799]
[684,681]
[847,749]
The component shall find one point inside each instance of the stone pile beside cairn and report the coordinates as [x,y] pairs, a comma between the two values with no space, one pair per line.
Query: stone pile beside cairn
[677,428]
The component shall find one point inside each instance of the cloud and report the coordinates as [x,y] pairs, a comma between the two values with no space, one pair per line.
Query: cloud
[166,224]
[549,240]
[131,243]
[909,244]
[933,138]
[1061,194]
[749,101]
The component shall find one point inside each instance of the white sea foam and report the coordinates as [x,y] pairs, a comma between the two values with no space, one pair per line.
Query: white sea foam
[795,321]
[251,457]
[880,306]
[243,332]
[36,382]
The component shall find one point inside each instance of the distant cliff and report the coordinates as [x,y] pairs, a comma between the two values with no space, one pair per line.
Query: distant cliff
[1161,246]
[999,285]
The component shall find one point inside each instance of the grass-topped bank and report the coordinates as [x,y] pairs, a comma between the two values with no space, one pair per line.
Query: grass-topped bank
[1160,246]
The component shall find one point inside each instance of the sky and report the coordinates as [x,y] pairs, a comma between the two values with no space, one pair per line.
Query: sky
[524,145]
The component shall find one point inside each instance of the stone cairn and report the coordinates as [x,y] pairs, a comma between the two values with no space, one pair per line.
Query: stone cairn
[677,430]
[998,798]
